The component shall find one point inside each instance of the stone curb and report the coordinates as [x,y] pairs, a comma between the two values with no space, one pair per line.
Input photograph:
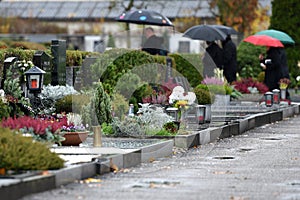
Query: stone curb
[235,128]
[17,188]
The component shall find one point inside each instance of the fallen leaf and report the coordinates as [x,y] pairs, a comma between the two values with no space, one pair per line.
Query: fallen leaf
[46,172]
[92,180]
[223,172]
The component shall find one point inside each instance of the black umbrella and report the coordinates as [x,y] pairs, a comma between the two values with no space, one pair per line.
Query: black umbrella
[204,32]
[144,17]
[226,29]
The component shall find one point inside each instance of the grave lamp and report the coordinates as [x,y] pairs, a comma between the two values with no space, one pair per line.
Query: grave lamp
[200,114]
[269,99]
[34,77]
[173,112]
[276,96]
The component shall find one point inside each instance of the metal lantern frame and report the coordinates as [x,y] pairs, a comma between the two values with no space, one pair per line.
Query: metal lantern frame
[200,113]
[276,96]
[269,99]
[173,112]
[35,78]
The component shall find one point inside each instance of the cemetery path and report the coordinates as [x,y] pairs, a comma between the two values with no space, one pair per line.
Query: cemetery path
[263,163]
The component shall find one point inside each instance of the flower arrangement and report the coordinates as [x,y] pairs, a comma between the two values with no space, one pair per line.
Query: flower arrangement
[156,98]
[179,97]
[73,123]
[249,86]
[41,129]
[284,83]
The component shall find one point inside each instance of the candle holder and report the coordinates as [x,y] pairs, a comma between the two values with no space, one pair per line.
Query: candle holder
[269,99]
[173,112]
[283,94]
[276,96]
[200,114]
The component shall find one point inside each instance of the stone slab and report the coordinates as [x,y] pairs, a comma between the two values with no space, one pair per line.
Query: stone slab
[27,186]
[204,137]
[158,150]
[187,141]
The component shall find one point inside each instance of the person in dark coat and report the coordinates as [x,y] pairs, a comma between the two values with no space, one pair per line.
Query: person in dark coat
[284,68]
[153,44]
[229,59]
[213,57]
[271,64]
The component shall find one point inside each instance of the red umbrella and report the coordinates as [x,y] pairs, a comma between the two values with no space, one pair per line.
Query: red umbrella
[263,40]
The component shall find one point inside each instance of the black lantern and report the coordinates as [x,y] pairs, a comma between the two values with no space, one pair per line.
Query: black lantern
[269,99]
[34,77]
[276,97]
[173,112]
[200,114]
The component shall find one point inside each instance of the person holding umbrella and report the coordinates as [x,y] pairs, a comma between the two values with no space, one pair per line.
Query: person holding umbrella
[153,44]
[271,64]
[212,54]
[229,59]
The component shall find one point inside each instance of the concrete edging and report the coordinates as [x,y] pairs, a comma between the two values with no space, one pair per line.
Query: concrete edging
[16,188]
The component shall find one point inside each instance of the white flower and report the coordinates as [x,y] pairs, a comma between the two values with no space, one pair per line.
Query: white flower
[2,93]
[298,78]
[191,97]
[178,89]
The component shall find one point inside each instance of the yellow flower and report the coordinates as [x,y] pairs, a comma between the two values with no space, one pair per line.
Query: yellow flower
[181,103]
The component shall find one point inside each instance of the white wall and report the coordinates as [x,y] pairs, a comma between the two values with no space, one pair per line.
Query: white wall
[195,45]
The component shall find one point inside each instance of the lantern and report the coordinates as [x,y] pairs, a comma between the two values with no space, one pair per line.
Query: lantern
[35,77]
[173,112]
[200,114]
[269,99]
[276,97]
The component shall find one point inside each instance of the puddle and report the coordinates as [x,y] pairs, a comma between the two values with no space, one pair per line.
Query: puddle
[155,184]
[295,184]
[224,157]
[242,150]
[271,138]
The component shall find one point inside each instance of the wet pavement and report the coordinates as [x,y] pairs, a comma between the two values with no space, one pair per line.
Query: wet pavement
[263,163]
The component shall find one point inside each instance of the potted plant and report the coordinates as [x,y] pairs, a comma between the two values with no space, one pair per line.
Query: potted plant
[73,130]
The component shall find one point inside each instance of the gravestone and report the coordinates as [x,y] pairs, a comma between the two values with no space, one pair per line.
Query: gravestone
[58,50]
[7,63]
[169,69]
[42,60]
[83,75]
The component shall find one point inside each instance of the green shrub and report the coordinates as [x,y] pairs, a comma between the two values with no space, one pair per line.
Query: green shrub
[102,105]
[247,58]
[73,58]
[27,45]
[203,96]
[20,153]
[120,106]
[190,66]
[64,104]
[4,110]
[3,45]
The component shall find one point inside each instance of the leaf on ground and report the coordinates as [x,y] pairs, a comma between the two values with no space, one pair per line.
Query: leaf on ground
[223,172]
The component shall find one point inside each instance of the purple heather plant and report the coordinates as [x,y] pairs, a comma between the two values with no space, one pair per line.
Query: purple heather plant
[72,128]
[212,81]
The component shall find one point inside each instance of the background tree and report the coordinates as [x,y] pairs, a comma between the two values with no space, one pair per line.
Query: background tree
[285,17]
[240,14]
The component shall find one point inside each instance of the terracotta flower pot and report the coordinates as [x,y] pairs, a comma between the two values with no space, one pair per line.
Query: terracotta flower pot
[74,138]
